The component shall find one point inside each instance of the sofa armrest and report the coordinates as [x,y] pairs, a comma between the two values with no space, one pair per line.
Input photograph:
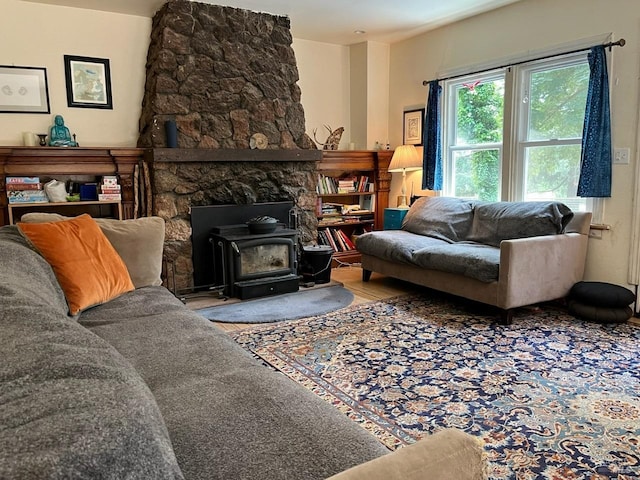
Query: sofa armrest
[447,455]
[538,269]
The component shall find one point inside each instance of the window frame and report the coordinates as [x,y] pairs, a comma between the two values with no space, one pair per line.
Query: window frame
[514,144]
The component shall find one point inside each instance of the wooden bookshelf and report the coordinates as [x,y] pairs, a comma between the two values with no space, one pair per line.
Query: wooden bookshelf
[339,164]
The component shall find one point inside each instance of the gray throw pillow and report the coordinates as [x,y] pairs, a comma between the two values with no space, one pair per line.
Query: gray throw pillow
[444,218]
[139,243]
[497,221]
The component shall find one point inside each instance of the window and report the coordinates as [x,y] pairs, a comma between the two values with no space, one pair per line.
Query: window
[475,109]
[515,134]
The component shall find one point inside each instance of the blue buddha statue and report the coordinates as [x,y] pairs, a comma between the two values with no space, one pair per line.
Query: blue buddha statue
[59,135]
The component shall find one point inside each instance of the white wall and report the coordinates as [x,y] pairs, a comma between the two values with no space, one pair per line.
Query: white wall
[324,81]
[39,35]
[533,25]
[378,56]
[369,84]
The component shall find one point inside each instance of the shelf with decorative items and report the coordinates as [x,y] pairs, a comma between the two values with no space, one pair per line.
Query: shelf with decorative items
[113,208]
[353,190]
[81,165]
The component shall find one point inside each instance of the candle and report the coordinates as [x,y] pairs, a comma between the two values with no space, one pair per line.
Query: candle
[29,139]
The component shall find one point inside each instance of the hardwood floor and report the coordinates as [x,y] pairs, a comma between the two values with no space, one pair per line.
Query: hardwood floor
[378,288]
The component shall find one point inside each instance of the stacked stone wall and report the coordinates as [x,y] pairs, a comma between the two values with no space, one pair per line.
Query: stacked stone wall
[222,74]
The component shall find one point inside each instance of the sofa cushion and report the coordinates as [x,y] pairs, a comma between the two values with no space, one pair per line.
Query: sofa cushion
[70,405]
[444,218]
[473,260]
[139,243]
[86,265]
[228,416]
[497,221]
[395,245]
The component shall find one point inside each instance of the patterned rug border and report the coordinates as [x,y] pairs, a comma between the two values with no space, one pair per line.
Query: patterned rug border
[271,342]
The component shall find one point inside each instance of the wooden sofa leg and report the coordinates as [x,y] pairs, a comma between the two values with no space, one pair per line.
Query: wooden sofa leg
[506,316]
[366,275]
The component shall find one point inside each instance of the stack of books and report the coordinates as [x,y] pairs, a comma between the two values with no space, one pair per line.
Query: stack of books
[336,239]
[25,190]
[110,190]
[346,185]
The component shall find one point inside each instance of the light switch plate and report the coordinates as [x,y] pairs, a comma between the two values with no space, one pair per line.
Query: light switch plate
[621,156]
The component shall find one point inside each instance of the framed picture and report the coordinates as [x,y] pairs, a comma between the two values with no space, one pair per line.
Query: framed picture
[412,128]
[23,90]
[88,82]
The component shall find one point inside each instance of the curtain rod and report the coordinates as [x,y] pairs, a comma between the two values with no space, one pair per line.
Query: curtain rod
[619,43]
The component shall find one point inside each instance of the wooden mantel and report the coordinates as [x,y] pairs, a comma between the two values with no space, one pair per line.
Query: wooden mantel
[49,162]
[184,155]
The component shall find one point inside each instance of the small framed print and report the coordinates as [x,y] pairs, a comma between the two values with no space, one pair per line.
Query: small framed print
[23,90]
[88,82]
[412,127]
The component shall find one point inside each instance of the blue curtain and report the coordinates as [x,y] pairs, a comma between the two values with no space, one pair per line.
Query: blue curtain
[595,162]
[432,141]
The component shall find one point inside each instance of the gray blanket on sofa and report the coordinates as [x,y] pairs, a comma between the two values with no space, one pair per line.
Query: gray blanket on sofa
[70,405]
[143,388]
[463,237]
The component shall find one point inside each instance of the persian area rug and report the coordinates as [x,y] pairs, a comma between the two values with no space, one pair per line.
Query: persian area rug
[289,306]
[550,396]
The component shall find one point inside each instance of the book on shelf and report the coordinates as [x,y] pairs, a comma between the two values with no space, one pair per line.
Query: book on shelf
[337,239]
[325,239]
[22,180]
[109,178]
[367,203]
[109,197]
[363,184]
[346,185]
[357,218]
[347,241]
[23,186]
[330,185]
[27,196]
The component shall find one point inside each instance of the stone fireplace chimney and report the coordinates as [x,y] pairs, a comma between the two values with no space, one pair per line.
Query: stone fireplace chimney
[228,79]
[223,74]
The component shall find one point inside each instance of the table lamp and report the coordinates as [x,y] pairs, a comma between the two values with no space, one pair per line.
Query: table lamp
[405,158]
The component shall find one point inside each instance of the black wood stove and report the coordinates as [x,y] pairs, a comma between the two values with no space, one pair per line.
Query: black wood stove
[248,265]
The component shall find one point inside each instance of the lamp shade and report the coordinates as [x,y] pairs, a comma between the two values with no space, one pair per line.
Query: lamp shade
[405,158]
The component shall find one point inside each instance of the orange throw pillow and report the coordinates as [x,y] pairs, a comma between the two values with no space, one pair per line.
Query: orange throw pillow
[86,265]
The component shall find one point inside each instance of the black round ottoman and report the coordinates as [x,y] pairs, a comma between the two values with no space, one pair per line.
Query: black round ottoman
[600,302]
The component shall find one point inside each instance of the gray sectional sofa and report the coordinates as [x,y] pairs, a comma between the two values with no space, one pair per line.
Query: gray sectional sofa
[141,387]
[506,254]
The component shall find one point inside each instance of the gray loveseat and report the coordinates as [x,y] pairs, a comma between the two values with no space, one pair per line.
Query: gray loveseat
[140,387]
[506,254]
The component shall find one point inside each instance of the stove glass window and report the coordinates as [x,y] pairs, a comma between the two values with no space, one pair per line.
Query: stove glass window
[264,258]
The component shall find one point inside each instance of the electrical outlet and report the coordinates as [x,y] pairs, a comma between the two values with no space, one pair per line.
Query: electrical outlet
[621,156]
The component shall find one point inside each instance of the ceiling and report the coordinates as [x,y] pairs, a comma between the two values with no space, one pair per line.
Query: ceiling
[329,21]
